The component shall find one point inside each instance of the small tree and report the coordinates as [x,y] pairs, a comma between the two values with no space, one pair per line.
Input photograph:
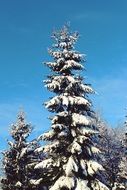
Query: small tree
[70,162]
[111,151]
[20,159]
[122,175]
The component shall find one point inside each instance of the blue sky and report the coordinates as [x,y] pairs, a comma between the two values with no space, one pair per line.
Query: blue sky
[25,29]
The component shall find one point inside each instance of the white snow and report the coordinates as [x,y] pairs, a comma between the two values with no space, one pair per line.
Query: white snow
[47,135]
[54,101]
[78,119]
[50,147]
[63,45]
[60,60]
[81,101]
[18,184]
[71,167]
[71,64]
[65,100]
[73,132]
[75,100]
[57,81]
[51,64]
[81,139]
[63,133]
[23,152]
[44,164]
[31,164]
[95,150]
[40,149]
[86,88]
[78,56]
[76,148]
[97,185]
[93,167]
[73,55]
[57,54]
[35,181]
[68,182]
[58,126]
[61,114]
[87,130]
[82,185]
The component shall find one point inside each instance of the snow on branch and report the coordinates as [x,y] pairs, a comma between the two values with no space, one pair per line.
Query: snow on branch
[66,100]
[45,164]
[78,119]
[64,182]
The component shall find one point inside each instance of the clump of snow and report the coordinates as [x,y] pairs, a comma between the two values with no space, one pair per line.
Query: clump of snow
[57,81]
[97,185]
[23,152]
[35,181]
[81,139]
[54,101]
[93,167]
[18,184]
[58,126]
[60,60]
[63,45]
[86,88]
[56,54]
[63,114]
[73,132]
[66,100]
[76,148]
[48,135]
[63,133]
[45,164]
[71,64]
[31,165]
[87,130]
[68,182]
[78,119]
[95,150]
[51,64]
[40,149]
[82,185]
[71,167]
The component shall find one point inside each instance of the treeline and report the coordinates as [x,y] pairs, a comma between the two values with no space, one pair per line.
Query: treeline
[81,152]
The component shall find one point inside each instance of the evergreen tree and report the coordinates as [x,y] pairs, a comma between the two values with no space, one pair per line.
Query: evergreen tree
[20,159]
[70,154]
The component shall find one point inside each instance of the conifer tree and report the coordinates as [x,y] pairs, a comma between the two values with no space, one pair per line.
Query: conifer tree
[70,154]
[19,160]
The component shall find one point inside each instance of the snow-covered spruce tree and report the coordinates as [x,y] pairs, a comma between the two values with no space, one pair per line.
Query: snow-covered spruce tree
[19,160]
[70,163]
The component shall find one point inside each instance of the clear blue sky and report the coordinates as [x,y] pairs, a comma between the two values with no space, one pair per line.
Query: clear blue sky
[25,29]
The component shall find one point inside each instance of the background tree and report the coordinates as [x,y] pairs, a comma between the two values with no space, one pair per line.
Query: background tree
[70,162]
[19,160]
[122,174]
[111,146]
